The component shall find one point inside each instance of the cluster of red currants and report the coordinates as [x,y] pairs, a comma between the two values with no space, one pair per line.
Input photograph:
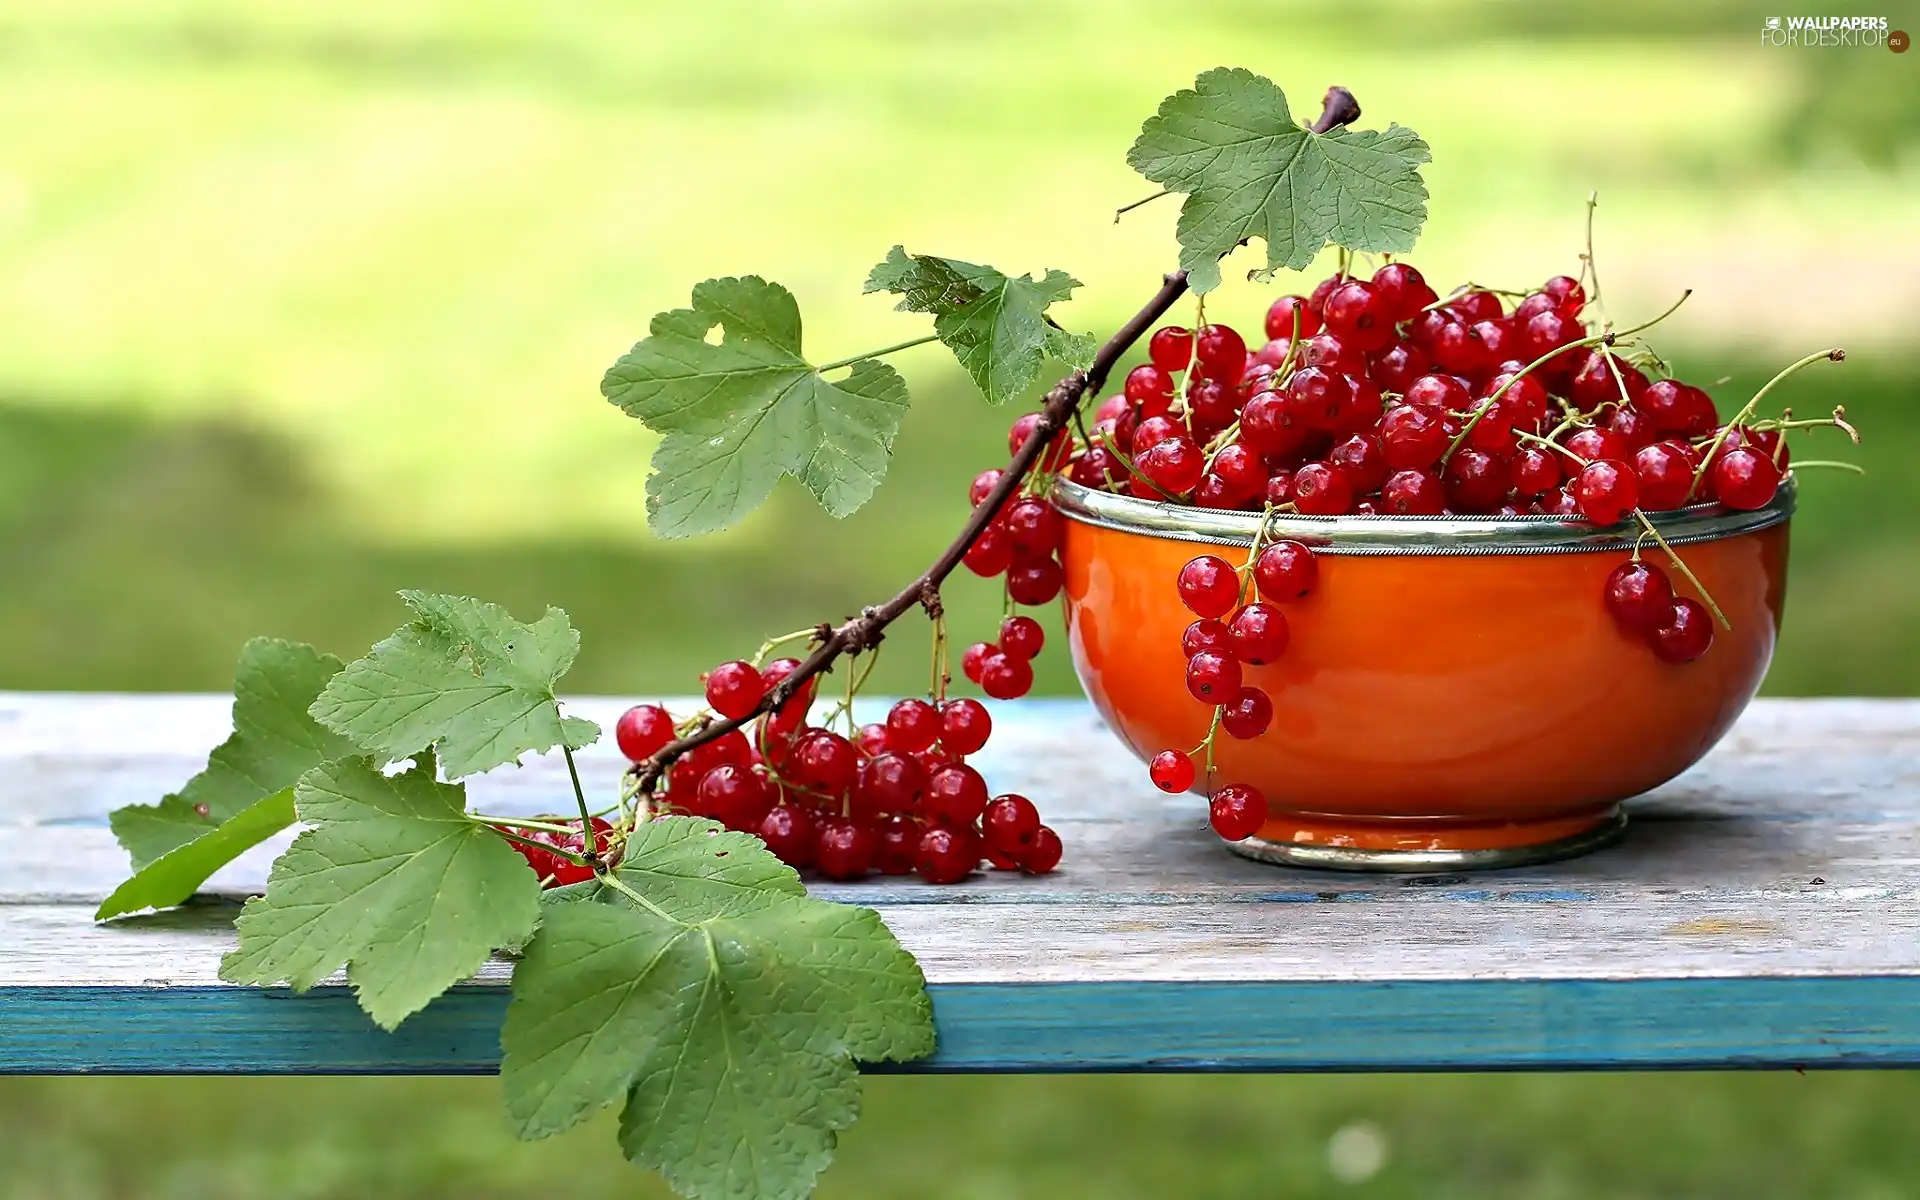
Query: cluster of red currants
[1231,632]
[1022,543]
[561,869]
[898,798]
[1376,397]
[1392,401]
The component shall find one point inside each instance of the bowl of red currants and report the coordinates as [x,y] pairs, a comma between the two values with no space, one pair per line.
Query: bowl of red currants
[1423,583]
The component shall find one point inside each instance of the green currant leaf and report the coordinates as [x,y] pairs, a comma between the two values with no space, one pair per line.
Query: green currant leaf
[1248,170]
[740,413]
[273,742]
[995,325]
[177,874]
[462,676]
[729,1009]
[394,882]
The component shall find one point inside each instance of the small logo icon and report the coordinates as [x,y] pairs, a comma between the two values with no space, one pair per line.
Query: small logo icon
[1773,23]
[1898,41]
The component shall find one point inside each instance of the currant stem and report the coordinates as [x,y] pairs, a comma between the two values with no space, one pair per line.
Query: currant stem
[1680,565]
[882,353]
[556,851]
[1837,465]
[1588,267]
[771,644]
[1124,209]
[586,818]
[1833,354]
[519,823]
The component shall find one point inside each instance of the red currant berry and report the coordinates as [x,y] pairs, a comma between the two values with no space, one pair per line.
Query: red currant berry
[890,783]
[1631,426]
[733,795]
[1033,527]
[991,553]
[964,726]
[1683,633]
[1009,824]
[1638,596]
[1411,437]
[845,850]
[1456,348]
[1355,315]
[1056,454]
[1566,290]
[1596,444]
[1536,471]
[1269,426]
[1171,348]
[1744,478]
[1152,432]
[1282,314]
[1402,291]
[1221,353]
[1543,333]
[1665,473]
[983,484]
[1607,490]
[1476,481]
[1174,465]
[1321,489]
[1171,771]
[912,726]
[642,731]
[1237,812]
[1212,677]
[1149,386]
[1248,714]
[1285,571]
[1257,634]
[1439,394]
[788,831]
[1413,494]
[897,845]
[976,655]
[826,763]
[1022,637]
[1475,305]
[946,855]
[1043,855]
[872,739]
[1204,635]
[1328,353]
[734,689]
[1363,461]
[1033,582]
[1097,468]
[1396,367]
[1005,677]
[1211,407]
[1241,470]
[1209,586]
[1280,487]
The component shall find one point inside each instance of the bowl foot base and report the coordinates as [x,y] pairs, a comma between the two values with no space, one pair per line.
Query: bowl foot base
[1561,839]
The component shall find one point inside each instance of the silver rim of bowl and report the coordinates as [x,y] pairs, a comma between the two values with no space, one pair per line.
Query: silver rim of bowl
[1414,535]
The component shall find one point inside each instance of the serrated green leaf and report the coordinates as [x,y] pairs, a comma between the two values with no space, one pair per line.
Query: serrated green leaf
[273,742]
[739,414]
[1249,170]
[175,875]
[462,676]
[729,1009]
[394,882]
[995,325]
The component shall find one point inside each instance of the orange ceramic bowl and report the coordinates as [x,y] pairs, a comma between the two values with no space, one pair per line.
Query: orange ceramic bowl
[1454,694]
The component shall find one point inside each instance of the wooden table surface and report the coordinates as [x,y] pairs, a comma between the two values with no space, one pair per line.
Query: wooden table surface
[1763,910]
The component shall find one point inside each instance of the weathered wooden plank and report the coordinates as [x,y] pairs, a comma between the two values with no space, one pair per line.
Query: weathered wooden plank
[1765,910]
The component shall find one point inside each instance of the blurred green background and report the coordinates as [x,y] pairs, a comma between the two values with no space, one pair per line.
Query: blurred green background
[303,303]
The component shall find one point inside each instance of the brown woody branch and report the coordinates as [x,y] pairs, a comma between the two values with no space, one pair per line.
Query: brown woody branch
[1062,404]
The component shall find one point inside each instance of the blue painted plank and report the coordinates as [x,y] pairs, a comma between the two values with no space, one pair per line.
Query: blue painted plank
[1864,1021]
